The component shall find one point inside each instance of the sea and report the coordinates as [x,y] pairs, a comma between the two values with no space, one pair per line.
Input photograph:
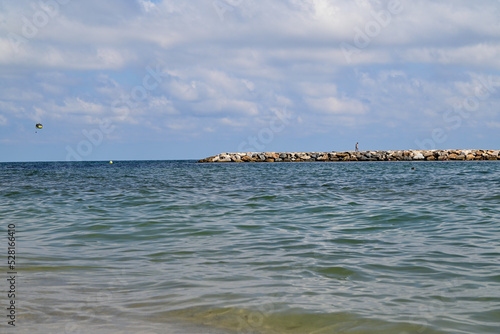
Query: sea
[178,247]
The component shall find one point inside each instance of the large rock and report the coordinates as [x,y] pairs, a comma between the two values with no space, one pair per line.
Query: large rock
[224,158]
[323,157]
[418,156]
[271,155]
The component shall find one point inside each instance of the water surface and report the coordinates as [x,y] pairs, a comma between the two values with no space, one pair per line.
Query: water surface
[179,247]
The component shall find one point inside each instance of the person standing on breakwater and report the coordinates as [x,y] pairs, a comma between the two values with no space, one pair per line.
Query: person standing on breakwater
[357,150]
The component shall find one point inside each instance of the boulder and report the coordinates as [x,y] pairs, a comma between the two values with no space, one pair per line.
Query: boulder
[210,159]
[418,156]
[271,155]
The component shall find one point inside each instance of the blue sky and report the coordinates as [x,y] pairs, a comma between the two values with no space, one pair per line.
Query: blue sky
[165,79]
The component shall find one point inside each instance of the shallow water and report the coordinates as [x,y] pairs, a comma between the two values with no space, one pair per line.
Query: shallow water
[179,247]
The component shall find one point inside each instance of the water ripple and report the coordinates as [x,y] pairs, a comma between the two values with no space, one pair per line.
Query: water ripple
[257,248]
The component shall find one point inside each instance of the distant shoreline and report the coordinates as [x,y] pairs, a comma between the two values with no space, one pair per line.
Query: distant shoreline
[399,155]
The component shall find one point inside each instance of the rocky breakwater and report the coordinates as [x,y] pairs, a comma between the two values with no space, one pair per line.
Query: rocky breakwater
[407,155]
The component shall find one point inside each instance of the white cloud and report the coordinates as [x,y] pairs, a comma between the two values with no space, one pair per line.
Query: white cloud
[233,69]
[147,5]
[3,120]
[184,91]
[480,55]
[333,105]
[223,107]
[493,125]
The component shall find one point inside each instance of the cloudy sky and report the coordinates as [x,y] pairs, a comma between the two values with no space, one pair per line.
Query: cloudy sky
[170,79]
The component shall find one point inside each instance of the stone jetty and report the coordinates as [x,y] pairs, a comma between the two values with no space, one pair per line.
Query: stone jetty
[406,155]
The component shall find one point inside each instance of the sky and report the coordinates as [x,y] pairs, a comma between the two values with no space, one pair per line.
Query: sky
[170,79]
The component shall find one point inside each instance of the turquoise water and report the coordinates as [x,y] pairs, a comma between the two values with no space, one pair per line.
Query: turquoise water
[179,247]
